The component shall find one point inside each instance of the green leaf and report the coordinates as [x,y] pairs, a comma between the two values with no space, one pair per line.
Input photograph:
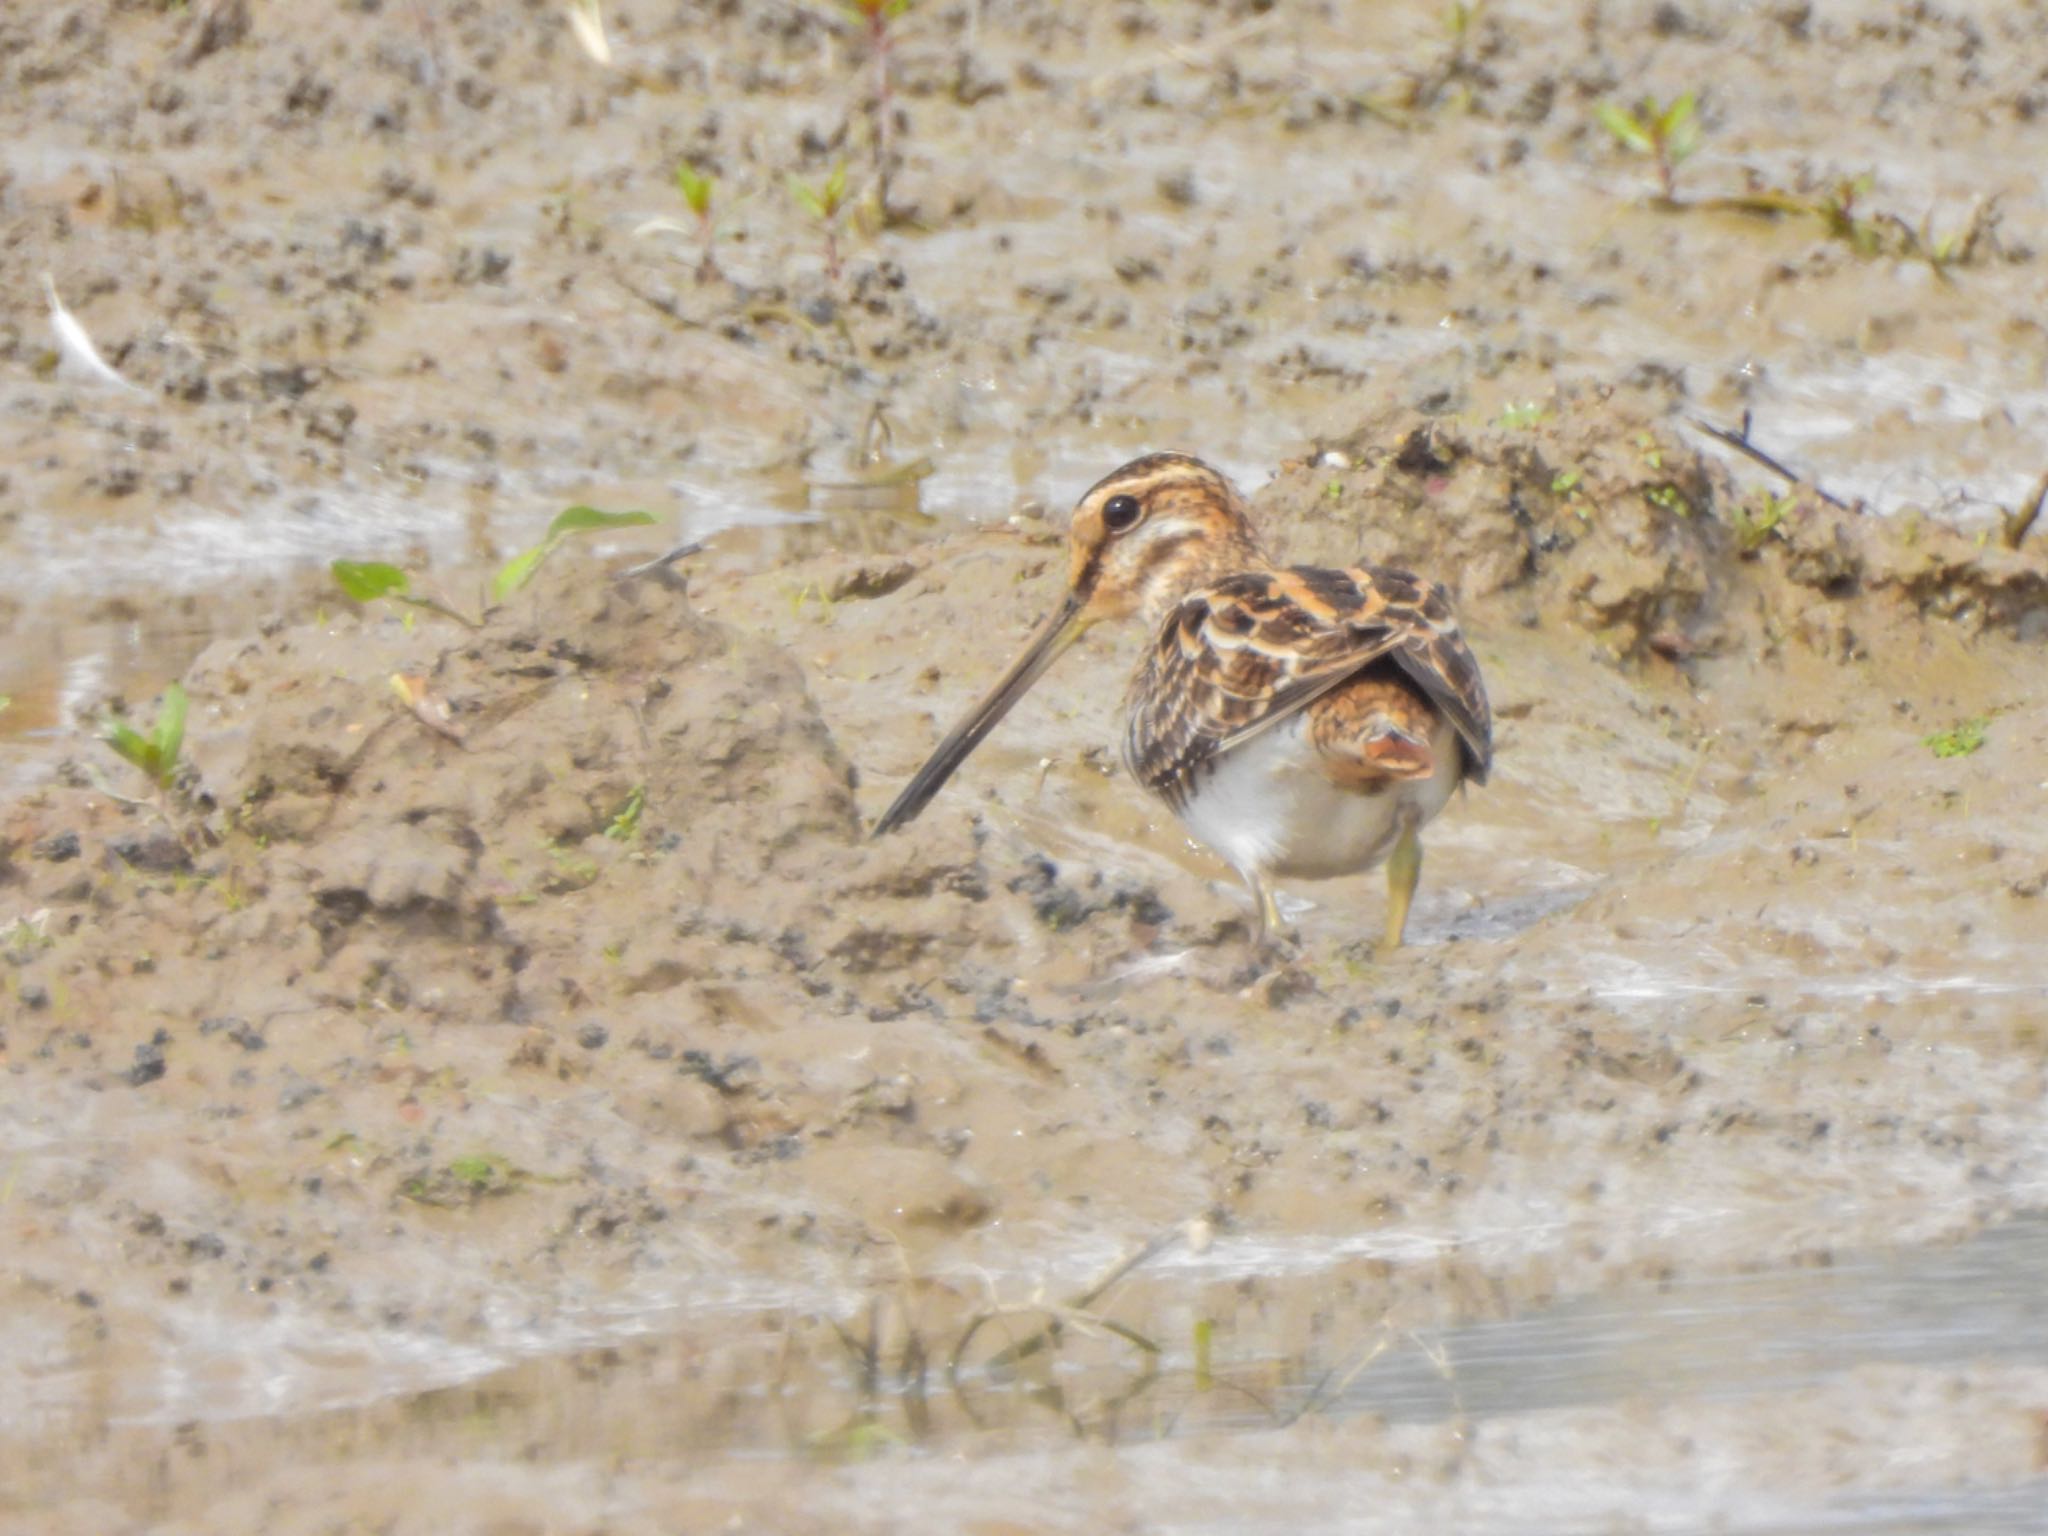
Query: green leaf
[1960,740]
[1622,123]
[627,822]
[696,188]
[1679,129]
[806,198]
[835,188]
[584,519]
[129,743]
[517,572]
[368,580]
[170,732]
[474,1169]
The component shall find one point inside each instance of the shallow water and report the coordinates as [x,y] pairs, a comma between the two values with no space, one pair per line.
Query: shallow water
[1289,1343]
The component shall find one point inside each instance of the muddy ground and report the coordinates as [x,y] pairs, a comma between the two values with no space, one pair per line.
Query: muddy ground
[546,1110]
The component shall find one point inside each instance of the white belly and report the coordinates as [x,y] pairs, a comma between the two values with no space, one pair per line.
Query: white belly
[1268,807]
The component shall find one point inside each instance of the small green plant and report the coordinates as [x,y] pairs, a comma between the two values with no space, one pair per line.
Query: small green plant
[368,580]
[1565,485]
[157,753]
[474,1169]
[1754,528]
[519,570]
[1960,739]
[464,1180]
[699,192]
[625,825]
[1519,418]
[824,203]
[1957,247]
[1836,210]
[1668,134]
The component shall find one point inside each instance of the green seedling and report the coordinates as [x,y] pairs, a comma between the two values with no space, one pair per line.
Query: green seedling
[476,1170]
[1957,247]
[464,1180]
[699,192]
[1565,484]
[519,570]
[1446,79]
[1836,210]
[157,753]
[1518,418]
[368,580]
[1753,529]
[625,825]
[824,204]
[1668,134]
[1960,739]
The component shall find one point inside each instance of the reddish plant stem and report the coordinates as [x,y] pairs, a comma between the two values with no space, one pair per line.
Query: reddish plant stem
[879,43]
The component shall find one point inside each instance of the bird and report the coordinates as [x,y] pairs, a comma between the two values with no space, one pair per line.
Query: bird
[1301,722]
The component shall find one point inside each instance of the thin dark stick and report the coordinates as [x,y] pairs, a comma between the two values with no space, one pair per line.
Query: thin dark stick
[660,562]
[1740,442]
[2017,523]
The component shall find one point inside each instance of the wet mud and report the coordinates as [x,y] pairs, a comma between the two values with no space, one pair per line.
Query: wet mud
[499,1085]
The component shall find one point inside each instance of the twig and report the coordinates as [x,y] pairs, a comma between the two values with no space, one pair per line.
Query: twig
[660,562]
[1740,442]
[2016,524]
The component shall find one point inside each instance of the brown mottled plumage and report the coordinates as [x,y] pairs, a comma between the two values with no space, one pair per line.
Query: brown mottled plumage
[1301,721]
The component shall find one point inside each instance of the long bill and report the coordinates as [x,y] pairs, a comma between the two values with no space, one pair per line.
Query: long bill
[1061,630]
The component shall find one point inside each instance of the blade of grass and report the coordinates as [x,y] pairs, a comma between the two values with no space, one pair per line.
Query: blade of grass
[170,732]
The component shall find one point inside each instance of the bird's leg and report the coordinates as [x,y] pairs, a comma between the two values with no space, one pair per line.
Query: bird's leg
[1268,930]
[1404,869]
[1269,941]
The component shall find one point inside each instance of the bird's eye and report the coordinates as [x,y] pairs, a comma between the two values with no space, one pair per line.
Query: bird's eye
[1120,513]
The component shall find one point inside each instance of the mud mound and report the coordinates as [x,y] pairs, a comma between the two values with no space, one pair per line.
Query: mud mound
[1602,510]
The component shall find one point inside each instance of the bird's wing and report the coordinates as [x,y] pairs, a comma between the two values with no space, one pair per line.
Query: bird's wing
[1241,655]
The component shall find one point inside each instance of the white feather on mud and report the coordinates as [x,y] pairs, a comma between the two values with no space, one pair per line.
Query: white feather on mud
[587,22]
[76,346]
